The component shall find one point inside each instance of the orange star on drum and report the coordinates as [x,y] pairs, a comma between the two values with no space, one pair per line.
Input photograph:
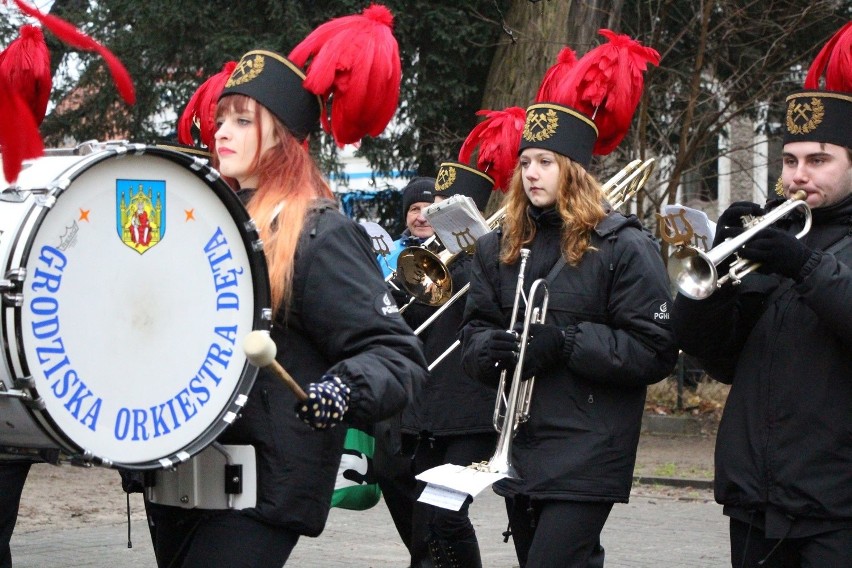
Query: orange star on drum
[190,214]
[84,215]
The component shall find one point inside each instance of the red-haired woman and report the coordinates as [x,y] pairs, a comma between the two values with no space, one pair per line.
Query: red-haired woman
[336,328]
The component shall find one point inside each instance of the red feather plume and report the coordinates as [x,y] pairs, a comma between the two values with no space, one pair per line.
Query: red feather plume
[566,59]
[606,85]
[200,111]
[19,137]
[498,138]
[75,38]
[835,61]
[355,61]
[25,65]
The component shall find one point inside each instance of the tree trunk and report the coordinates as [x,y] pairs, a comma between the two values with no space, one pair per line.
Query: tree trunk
[539,30]
[536,32]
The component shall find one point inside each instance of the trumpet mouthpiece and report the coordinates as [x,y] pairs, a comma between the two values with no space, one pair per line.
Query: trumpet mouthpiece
[259,348]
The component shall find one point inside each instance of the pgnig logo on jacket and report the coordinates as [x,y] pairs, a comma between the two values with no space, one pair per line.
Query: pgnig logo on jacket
[660,310]
[385,305]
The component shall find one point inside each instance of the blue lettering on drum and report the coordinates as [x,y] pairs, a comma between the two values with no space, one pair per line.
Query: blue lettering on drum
[139,424]
[78,399]
[218,251]
[133,424]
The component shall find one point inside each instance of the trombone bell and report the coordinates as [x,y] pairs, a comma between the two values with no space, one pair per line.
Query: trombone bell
[424,276]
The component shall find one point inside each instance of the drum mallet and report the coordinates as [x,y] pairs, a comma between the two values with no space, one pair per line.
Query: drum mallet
[260,350]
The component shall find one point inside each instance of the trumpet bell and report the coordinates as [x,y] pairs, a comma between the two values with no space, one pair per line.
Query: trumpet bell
[424,276]
[694,273]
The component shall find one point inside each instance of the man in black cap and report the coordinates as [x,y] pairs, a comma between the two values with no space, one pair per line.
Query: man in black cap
[416,197]
[451,420]
[782,339]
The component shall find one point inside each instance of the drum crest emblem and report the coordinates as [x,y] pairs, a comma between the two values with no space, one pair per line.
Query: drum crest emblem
[140,212]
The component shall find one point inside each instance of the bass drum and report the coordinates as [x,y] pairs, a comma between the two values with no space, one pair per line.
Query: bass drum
[131,275]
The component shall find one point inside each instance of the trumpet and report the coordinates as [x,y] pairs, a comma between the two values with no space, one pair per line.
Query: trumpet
[698,277]
[512,410]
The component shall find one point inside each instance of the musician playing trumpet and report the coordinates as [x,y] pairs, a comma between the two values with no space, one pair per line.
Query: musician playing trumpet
[783,340]
[604,339]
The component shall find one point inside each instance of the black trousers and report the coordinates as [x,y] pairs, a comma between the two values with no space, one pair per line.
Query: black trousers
[13,475]
[557,534]
[418,523]
[751,549]
[193,538]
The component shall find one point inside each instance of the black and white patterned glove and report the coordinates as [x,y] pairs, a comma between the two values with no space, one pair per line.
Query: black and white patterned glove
[328,401]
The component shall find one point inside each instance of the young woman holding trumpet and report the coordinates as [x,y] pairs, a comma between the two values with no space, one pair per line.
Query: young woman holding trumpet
[605,335]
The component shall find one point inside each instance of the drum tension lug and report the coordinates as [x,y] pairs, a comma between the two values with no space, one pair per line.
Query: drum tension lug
[233,479]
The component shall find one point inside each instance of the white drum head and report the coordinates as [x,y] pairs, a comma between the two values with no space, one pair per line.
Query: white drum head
[139,290]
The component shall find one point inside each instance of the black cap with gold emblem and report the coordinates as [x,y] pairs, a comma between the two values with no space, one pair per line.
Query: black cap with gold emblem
[560,129]
[275,82]
[455,178]
[819,116]
[822,112]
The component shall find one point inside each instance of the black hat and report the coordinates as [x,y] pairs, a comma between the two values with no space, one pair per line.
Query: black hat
[819,116]
[585,106]
[418,189]
[560,129]
[455,178]
[823,113]
[275,82]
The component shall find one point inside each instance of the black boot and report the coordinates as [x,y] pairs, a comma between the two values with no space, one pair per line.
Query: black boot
[455,553]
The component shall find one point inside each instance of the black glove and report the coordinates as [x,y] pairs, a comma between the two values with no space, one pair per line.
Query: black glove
[328,401]
[544,347]
[502,348]
[730,223]
[777,252]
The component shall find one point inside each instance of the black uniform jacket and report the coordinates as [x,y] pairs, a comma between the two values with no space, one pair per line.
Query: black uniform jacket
[586,412]
[785,439]
[342,321]
[451,403]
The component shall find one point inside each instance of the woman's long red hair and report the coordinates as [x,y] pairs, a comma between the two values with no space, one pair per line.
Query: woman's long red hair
[288,183]
[580,205]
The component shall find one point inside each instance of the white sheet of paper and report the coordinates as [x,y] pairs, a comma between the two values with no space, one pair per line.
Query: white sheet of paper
[704,229]
[457,222]
[442,497]
[467,480]
[381,240]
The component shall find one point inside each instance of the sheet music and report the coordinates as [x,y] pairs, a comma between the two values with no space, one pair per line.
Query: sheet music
[448,481]
[380,239]
[443,497]
[457,222]
[703,228]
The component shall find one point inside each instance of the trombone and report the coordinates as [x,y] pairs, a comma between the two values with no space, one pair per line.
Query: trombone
[425,274]
[698,277]
[620,188]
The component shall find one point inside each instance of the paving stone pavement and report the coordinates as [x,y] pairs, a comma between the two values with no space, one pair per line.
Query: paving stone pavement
[654,529]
